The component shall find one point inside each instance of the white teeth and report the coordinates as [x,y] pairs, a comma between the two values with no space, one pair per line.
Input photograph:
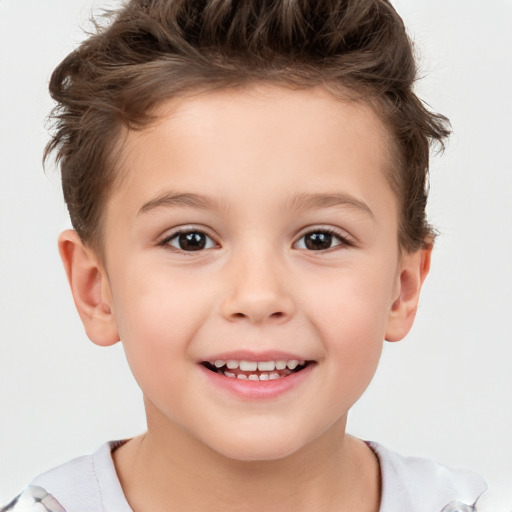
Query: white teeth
[256,376]
[248,366]
[266,366]
[253,376]
[262,366]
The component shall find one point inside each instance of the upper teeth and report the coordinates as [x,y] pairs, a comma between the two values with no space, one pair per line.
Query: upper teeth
[263,366]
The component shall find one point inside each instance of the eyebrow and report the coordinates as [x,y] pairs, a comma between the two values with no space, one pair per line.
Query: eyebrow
[301,201]
[176,199]
[313,201]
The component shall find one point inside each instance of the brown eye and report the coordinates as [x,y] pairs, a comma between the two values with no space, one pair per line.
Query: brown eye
[319,241]
[191,241]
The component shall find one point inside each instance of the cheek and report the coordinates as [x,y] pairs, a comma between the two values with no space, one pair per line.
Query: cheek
[349,311]
[155,322]
[155,304]
[351,303]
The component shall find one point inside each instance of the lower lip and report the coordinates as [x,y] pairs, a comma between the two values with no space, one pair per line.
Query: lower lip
[258,389]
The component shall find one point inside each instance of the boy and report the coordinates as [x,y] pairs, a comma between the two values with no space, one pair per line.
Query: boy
[247,188]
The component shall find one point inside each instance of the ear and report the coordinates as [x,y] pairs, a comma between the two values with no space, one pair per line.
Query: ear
[90,288]
[413,271]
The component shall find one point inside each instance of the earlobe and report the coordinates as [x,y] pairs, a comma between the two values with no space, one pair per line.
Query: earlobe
[413,271]
[90,289]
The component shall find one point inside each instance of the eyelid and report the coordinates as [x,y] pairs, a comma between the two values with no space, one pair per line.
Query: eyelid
[345,239]
[187,228]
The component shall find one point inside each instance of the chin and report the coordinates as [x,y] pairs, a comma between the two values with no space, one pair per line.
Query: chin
[257,446]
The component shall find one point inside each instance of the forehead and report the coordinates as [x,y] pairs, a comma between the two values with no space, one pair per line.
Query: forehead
[270,136]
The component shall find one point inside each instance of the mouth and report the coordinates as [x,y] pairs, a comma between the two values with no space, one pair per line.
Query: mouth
[256,370]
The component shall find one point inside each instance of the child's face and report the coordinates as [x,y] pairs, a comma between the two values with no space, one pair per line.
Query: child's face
[255,225]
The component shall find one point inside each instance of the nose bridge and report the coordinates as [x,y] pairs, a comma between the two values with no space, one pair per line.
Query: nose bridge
[257,290]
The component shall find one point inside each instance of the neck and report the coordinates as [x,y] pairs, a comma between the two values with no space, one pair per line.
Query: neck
[166,465]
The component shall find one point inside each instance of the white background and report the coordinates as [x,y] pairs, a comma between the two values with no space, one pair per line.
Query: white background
[445,392]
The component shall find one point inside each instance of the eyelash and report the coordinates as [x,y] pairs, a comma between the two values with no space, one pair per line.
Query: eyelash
[185,231]
[343,241]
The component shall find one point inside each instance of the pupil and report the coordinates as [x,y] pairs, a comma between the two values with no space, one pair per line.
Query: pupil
[192,241]
[318,241]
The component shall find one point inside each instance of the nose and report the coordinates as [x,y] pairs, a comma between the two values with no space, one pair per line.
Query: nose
[258,290]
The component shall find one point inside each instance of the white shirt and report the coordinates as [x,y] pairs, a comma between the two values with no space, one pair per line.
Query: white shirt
[409,484]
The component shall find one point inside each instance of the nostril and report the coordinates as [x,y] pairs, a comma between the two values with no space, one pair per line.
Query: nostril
[277,314]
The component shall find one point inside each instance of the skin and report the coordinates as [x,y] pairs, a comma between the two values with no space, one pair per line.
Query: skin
[275,166]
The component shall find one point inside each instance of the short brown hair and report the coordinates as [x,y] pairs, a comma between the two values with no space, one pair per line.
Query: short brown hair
[153,50]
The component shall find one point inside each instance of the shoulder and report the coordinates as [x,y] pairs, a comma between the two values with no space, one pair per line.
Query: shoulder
[421,485]
[85,484]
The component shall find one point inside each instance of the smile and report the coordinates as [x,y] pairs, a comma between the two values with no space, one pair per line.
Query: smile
[255,370]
